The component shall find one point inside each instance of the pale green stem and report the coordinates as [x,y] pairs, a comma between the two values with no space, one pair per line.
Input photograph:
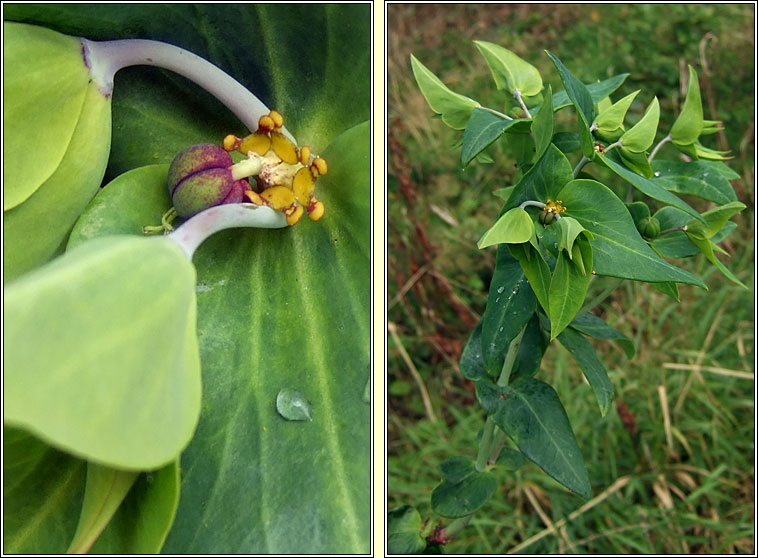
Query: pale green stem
[657,147]
[455,527]
[228,216]
[105,58]
[580,165]
[496,113]
[532,203]
[517,94]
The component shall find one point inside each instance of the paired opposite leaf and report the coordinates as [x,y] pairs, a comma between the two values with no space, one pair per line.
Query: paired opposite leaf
[542,126]
[464,489]
[514,227]
[454,108]
[640,137]
[593,369]
[568,286]
[404,531]
[689,123]
[582,100]
[534,418]
[705,179]
[482,129]
[509,71]
[610,122]
[120,336]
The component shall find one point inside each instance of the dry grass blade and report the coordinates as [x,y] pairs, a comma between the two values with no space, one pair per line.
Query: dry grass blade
[416,376]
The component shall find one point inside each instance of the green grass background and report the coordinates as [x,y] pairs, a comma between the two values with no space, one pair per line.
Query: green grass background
[680,479]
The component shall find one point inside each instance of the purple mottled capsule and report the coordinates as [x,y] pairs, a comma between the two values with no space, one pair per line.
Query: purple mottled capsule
[200,177]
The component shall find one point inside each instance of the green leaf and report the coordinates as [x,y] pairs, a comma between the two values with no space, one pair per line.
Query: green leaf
[472,361]
[638,210]
[514,227]
[310,282]
[675,244]
[31,236]
[119,336]
[510,459]
[701,178]
[591,325]
[567,142]
[531,350]
[44,89]
[593,369]
[637,162]
[253,283]
[404,531]
[618,249]
[610,122]
[689,123]
[456,468]
[542,126]
[465,492]
[143,520]
[715,219]
[543,181]
[598,91]
[706,246]
[583,102]
[509,71]
[482,129]
[668,288]
[568,229]
[42,495]
[568,288]
[648,187]
[105,490]
[510,304]
[535,269]
[454,108]
[640,137]
[534,418]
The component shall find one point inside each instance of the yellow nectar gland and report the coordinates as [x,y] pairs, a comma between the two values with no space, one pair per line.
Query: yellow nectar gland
[287,179]
[555,207]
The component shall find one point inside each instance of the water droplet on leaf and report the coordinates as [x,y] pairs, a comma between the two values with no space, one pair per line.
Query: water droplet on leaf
[292,405]
[500,289]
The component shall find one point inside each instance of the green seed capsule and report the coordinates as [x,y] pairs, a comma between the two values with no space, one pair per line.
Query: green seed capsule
[649,227]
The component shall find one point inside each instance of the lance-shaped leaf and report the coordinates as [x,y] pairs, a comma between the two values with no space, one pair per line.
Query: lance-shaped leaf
[404,531]
[542,126]
[648,187]
[482,129]
[715,219]
[639,137]
[568,286]
[706,246]
[510,71]
[699,151]
[472,361]
[510,304]
[676,244]
[689,123]
[514,227]
[582,100]
[618,249]
[598,90]
[593,369]
[591,325]
[536,270]
[610,122]
[454,108]
[705,179]
[464,489]
[534,418]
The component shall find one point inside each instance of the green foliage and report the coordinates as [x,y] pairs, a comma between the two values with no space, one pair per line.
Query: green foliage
[128,322]
[583,231]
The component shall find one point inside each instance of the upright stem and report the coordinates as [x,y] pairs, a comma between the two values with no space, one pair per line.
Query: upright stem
[489,440]
[580,165]
[105,58]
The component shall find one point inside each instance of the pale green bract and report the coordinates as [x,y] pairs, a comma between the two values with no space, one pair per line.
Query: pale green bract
[454,108]
[510,72]
[640,136]
[514,227]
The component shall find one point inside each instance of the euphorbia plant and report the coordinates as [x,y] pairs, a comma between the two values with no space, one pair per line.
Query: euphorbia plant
[164,412]
[558,229]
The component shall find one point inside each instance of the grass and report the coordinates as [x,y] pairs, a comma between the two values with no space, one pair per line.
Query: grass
[681,480]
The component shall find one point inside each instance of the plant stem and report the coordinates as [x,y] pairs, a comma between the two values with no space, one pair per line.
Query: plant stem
[674,229]
[510,359]
[455,527]
[485,444]
[657,147]
[583,161]
[532,203]
[517,94]
[496,113]
[105,58]
[232,215]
